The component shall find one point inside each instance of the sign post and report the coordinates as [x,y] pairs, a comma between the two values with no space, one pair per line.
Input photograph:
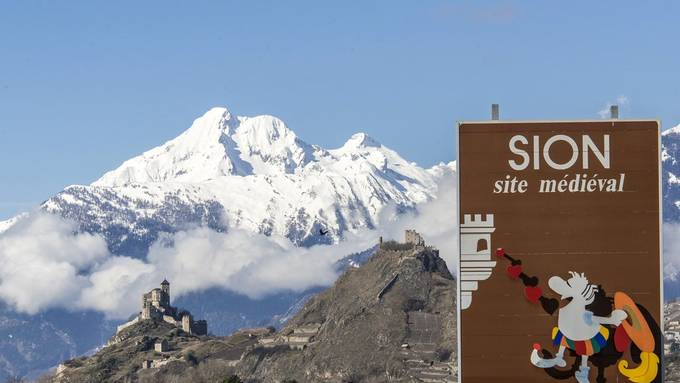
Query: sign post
[560,251]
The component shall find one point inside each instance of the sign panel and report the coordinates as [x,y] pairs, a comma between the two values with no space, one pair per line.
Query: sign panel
[560,252]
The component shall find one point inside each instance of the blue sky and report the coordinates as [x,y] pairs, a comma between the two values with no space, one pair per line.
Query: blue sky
[85,85]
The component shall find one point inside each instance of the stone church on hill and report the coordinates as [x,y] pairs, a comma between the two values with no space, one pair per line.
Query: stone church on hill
[156,306]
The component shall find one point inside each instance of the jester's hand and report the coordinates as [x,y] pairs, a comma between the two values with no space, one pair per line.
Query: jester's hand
[618,316]
[615,319]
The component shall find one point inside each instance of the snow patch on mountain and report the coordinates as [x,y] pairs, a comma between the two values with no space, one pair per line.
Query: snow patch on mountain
[673,179]
[5,225]
[671,131]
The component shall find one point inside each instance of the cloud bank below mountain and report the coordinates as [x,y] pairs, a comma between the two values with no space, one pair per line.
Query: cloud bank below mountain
[49,264]
[44,264]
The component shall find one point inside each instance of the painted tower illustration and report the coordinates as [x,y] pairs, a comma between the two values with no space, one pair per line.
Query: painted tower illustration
[475,254]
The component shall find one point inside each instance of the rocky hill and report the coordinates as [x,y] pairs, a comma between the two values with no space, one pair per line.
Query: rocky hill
[392,319]
[136,355]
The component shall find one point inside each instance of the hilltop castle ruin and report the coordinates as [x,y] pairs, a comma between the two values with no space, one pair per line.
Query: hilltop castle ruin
[414,238]
[156,306]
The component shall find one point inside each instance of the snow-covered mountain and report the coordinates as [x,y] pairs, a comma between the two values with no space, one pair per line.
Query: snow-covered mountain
[252,173]
[224,172]
[670,157]
[670,183]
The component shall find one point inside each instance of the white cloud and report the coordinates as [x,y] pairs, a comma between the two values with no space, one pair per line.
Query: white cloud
[42,262]
[436,220]
[115,286]
[256,265]
[45,263]
[671,250]
[251,264]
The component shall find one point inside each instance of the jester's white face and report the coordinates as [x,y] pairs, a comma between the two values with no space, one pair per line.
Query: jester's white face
[576,287]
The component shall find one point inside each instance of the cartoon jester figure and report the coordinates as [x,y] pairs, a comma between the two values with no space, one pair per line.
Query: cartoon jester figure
[584,333]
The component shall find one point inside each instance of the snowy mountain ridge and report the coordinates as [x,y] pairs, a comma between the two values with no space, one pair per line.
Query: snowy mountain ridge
[217,144]
[252,173]
[670,154]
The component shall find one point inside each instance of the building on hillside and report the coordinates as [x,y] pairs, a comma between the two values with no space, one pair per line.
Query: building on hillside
[161,345]
[414,238]
[412,241]
[156,306]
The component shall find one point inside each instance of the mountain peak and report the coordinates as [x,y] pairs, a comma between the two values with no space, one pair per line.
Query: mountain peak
[217,120]
[255,174]
[672,131]
[361,140]
[217,144]
[218,111]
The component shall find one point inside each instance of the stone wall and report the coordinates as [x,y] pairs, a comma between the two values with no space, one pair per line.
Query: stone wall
[126,325]
[199,327]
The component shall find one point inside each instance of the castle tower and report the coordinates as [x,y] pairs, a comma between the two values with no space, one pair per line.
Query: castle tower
[156,297]
[414,238]
[165,293]
[156,306]
[475,254]
[186,323]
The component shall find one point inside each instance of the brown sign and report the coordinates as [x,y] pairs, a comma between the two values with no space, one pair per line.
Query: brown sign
[560,264]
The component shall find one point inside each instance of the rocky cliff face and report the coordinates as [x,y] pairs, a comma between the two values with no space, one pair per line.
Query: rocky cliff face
[393,319]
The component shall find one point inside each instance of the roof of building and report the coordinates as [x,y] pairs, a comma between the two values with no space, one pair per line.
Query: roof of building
[165,282]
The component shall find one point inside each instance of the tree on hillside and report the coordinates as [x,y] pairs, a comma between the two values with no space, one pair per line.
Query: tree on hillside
[232,379]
